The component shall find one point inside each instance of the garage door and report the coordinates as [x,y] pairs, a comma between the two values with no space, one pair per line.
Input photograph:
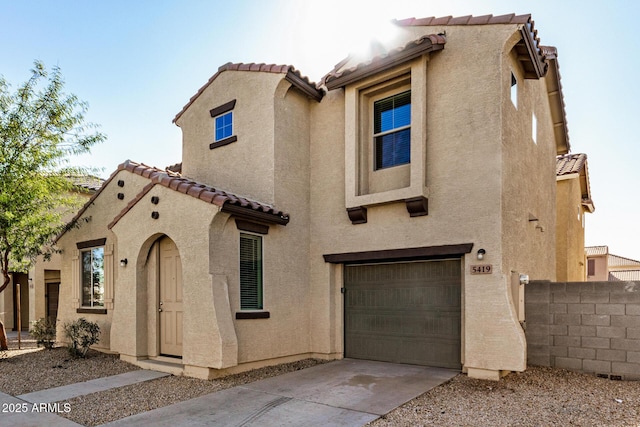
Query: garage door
[405,312]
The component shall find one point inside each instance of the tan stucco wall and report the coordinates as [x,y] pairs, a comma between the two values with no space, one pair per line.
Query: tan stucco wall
[570,255]
[483,175]
[93,225]
[475,194]
[244,167]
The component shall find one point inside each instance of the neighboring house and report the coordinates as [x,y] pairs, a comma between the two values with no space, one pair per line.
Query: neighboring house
[39,287]
[573,200]
[386,213]
[603,266]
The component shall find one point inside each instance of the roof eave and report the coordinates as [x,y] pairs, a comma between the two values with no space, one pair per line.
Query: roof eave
[412,51]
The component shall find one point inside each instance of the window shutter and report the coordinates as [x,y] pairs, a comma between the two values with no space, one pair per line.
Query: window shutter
[591,267]
[250,272]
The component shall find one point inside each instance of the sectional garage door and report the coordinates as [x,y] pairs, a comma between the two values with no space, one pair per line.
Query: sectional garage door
[405,312]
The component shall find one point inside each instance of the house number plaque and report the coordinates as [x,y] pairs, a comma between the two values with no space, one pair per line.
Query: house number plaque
[481,269]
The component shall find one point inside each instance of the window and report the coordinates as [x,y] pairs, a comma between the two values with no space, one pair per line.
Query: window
[250,272]
[514,90]
[591,267]
[93,277]
[224,126]
[392,130]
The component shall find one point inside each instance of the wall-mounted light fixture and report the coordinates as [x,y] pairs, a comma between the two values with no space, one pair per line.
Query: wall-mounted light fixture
[124,262]
[481,253]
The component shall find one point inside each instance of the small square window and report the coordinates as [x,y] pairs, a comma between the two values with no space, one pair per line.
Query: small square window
[224,126]
[392,130]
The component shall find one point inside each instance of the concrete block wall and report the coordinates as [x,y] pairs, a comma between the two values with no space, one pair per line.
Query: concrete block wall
[590,327]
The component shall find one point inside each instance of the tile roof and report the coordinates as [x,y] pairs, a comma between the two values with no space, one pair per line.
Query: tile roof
[229,202]
[339,78]
[567,164]
[293,76]
[88,182]
[619,261]
[535,67]
[556,100]
[511,18]
[596,250]
[624,276]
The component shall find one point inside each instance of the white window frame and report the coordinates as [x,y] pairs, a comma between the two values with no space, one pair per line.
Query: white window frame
[215,126]
[91,296]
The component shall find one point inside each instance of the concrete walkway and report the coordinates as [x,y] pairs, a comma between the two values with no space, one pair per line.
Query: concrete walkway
[341,393]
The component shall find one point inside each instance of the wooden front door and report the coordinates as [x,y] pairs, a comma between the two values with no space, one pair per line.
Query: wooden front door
[170,303]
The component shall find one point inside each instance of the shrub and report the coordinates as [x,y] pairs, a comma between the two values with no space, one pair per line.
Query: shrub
[44,331]
[82,334]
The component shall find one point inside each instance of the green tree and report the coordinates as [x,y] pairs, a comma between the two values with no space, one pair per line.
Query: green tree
[40,128]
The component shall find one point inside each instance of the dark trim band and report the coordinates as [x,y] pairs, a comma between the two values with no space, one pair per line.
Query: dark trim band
[252,226]
[405,254]
[223,142]
[228,106]
[253,315]
[251,214]
[91,243]
[91,311]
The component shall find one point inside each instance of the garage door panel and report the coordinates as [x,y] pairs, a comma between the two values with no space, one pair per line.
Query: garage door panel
[404,312]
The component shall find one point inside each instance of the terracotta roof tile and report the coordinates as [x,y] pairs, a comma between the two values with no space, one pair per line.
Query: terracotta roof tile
[570,163]
[620,261]
[292,75]
[596,250]
[511,18]
[88,182]
[176,182]
[339,78]
[624,276]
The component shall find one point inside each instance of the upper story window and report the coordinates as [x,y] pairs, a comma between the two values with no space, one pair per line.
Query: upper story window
[224,126]
[92,277]
[392,130]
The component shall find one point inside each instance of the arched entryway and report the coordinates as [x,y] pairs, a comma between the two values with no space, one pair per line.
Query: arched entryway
[170,310]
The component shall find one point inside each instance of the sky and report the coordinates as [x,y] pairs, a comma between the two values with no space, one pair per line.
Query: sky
[137,63]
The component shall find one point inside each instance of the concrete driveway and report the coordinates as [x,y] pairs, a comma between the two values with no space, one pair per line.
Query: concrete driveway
[346,392]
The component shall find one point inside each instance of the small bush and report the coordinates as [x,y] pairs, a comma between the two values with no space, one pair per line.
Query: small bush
[44,331]
[82,334]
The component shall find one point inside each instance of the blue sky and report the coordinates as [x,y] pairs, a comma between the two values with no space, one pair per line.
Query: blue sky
[138,62]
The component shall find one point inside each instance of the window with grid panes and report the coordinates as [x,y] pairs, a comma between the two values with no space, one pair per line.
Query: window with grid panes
[392,130]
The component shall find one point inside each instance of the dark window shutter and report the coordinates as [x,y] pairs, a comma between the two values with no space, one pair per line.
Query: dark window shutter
[591,267]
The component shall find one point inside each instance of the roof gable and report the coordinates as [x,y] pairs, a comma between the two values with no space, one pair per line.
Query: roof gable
[228,202]
[569,164]
[530,53]
[292,75]
[425,44]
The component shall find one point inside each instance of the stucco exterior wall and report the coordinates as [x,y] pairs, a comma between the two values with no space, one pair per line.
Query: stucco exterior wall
[93,225]
[244,167]
[475,195]
[571,261]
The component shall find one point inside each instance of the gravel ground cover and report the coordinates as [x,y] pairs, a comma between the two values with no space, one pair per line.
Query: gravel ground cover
[538,397]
